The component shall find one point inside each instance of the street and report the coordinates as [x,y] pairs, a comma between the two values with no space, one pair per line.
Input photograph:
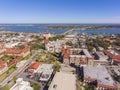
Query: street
[18,71]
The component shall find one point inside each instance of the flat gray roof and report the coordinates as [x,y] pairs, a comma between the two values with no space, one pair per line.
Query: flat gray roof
[99,73]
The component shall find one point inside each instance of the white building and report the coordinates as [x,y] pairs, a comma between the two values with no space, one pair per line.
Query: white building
[46,71]
[54,46]
[11,44]
[21,85]
[46,34]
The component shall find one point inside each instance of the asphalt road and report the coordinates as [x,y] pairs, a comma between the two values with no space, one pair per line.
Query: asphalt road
[18,71]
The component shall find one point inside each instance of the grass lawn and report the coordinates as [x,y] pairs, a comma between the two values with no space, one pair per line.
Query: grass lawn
[78,85]
[8,58]
[78,88]
[7,73]
[8,86]
[35,86]
[47,58]
[26,57]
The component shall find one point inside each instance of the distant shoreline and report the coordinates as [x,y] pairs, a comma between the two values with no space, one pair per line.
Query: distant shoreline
[62,28]
[3,29]
[82,27]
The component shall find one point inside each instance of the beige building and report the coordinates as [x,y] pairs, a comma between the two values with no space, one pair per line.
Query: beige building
[77,56]
[63,81]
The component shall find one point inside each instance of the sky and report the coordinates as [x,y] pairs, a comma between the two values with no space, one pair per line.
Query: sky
[59,11]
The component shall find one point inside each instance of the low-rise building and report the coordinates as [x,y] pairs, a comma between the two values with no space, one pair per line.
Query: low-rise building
[3,67]
[53,46]
[46,71]
[18,52]
[34,67]
[2,48]
[76,56]
[113,57]
[109,40]
[46,35]
[14,61]
[11,44]
[100,58]
[100,76]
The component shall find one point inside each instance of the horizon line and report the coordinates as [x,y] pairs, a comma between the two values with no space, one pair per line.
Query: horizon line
[58,23]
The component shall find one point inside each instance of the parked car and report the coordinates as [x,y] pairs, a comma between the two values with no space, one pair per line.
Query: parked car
[30,76]
[9,81]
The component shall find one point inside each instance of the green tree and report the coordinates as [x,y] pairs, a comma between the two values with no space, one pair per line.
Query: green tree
[69,43]
[56,68]
[89,87]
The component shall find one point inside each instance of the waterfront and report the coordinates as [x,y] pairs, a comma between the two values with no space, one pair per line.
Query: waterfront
[40,28]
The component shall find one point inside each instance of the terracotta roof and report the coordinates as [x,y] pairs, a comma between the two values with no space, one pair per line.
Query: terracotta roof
[107,86]
[117,61]
[16,51]
[46,41]
[35,65]
[111,55]
[13,51]
[51,46]
[109,40]
[90,79]
[2,64]
[116,57]
[31,71]
[46,32]
[66,53]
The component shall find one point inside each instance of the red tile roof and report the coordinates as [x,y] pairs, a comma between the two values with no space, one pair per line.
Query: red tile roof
[101,85]
[90,79]
[13,51]
[46,41]
[16,51]
[46,32]
[2,64]
[117,61]
[116,57]
[108,53]
[66,53]
[109,40]
[35,65]
[111,55]
[31,71]
[107,86]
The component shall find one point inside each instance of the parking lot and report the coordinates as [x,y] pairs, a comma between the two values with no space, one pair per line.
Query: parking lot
[35,78]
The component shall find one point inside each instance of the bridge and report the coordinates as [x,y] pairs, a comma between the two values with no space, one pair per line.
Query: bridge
[71,30]
[68,31]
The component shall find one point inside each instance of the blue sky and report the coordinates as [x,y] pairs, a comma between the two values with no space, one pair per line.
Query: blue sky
[59,11]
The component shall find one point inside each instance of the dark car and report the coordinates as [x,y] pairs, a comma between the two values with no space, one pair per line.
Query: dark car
[9,81]
[30,76]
